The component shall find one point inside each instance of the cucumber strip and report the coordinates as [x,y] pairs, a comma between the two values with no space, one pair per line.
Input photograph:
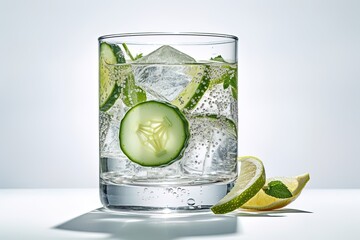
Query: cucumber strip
[193,92]
[109,90]
[132,94]
[154,134]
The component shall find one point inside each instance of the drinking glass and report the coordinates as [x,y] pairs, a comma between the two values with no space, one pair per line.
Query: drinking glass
[168,120]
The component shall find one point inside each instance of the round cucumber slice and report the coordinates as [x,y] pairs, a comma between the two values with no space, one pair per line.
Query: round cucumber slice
[154,134]
[194,91]
[109,90]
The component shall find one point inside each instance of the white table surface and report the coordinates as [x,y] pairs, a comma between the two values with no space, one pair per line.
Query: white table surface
[76,214]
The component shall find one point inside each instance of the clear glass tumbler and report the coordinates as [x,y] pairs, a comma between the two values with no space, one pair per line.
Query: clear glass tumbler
[168,120]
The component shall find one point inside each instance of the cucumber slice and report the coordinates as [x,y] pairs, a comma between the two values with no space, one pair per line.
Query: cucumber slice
[194,91]
[154,134]
[112,87]
[109,90]
[111,99]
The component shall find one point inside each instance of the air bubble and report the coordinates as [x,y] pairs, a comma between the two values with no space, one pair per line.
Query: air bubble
[191,202]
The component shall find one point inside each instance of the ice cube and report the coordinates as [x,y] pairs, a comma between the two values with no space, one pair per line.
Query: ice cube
[168,76]
[109,130]
[104,123]
[217,101]
[111,146]
[224,152]
[166,55]
[212,147]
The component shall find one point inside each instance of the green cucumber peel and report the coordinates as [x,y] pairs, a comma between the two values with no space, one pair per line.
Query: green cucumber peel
[120,58]
[114,95]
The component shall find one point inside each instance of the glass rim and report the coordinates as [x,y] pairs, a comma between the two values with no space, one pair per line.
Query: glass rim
[190,34]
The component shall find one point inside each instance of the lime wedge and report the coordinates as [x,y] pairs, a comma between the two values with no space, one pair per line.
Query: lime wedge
[263,202]
[250,181]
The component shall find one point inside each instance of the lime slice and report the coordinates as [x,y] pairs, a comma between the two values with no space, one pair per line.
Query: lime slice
[250,181]
[263,202]
[194,91]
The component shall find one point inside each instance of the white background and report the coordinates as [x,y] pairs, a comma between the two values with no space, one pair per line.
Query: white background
[299,101]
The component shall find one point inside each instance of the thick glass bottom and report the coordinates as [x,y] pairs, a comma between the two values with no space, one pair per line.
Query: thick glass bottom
[162,198]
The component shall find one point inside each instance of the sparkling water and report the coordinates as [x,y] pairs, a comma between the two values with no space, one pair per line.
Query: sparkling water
[208,166]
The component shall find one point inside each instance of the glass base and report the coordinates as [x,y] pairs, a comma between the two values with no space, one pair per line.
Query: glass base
[162,199]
